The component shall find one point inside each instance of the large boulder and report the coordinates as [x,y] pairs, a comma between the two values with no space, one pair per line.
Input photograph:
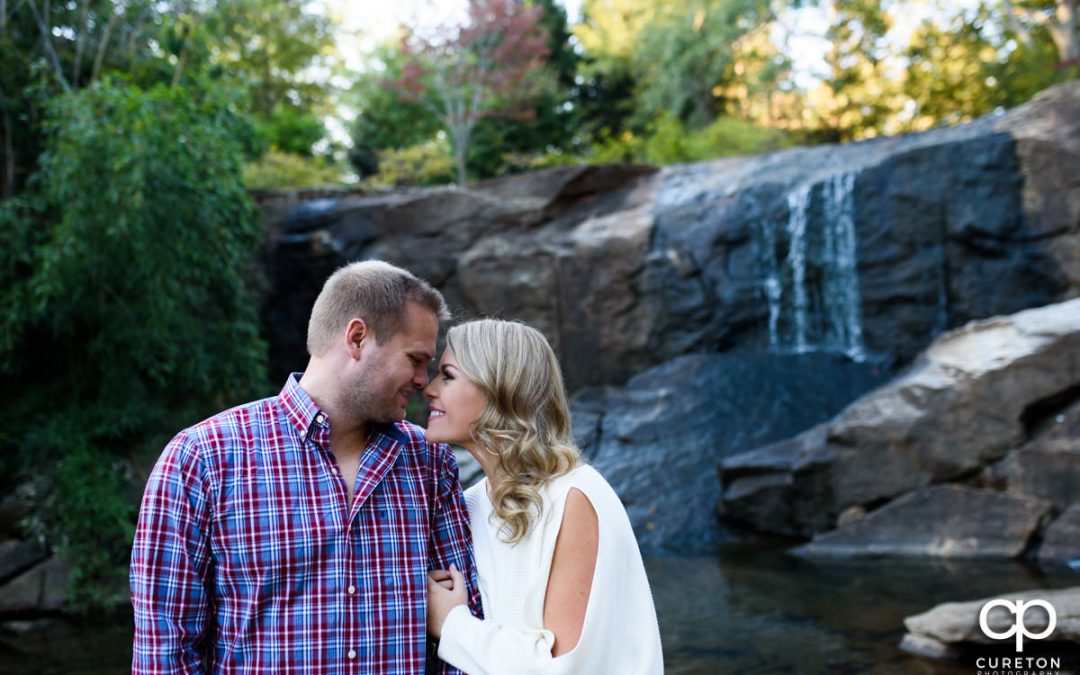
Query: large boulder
[1061,541]
[1046,467]
[945,521]
[42,588]
[16,556]
[867,249]
[433,232]
[657,439]
[952,629]
[974,395]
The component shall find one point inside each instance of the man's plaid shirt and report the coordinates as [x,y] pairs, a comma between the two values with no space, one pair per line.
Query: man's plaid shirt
[248,558]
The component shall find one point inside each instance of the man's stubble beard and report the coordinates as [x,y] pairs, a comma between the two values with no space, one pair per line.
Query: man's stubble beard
[364,404]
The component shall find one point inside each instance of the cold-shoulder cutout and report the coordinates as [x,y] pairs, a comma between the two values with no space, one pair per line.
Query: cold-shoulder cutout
[614,623]
[572,569]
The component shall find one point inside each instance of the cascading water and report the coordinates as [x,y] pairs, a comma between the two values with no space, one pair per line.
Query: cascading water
[798,201]
[813,288]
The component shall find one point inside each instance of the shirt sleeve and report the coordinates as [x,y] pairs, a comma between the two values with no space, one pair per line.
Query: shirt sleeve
[170,566]
[451,539]
[487,648]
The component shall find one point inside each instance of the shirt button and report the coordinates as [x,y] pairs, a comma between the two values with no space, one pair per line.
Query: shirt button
[333,470]
[352,589]
[352,654]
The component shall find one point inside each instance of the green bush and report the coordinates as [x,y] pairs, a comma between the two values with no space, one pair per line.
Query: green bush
[430,163]
[667,141]
[281,171]
[125,314]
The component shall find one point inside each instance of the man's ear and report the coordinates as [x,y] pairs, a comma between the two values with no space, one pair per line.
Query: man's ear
[357,333]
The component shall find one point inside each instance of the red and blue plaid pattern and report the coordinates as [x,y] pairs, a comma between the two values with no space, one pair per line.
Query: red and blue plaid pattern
[249,559]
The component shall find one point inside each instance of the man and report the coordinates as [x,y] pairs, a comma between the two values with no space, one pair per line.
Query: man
[294,534]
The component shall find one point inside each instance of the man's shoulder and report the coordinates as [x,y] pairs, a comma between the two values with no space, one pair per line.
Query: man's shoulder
[414,438]
[237,423]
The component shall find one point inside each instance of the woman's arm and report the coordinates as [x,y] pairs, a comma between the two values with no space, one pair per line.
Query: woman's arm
[487,648]
[571,576]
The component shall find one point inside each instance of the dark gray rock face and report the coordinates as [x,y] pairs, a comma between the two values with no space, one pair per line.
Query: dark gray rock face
[946,521]
[965,404]
[865,251]
[43,588]
[868,249]
[16,556]
[547,248]
[658,438]
[1048,466]
[1061,542]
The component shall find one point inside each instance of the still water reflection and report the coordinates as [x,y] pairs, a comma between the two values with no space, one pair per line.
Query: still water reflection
[748,609]
[754,609]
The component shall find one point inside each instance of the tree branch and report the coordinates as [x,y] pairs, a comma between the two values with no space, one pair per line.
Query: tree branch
[50,49]
[103,44]
[80,41]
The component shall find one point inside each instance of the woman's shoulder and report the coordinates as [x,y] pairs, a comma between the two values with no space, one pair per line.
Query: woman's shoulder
[590,483]
[476,499]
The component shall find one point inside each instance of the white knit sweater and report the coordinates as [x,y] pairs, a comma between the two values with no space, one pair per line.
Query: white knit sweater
[620,634]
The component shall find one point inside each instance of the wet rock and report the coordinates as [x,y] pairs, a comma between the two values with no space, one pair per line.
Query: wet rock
[947,521]
[959,408]
[1048,466]
[16,556]
[42,588]
[1061,542]
[952,628]
[657,438]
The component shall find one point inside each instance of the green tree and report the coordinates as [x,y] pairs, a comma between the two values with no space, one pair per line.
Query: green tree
[970,64]
[264,51]
[501,144]
[859,94]
[1058,19]
[680,56]
[384,121]
[125,312]
[485,66]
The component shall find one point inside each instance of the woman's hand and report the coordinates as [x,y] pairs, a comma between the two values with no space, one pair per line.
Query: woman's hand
[446,590]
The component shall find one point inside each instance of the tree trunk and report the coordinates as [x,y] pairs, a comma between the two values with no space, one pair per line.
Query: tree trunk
[461,151]
[7,187]
[1067,37]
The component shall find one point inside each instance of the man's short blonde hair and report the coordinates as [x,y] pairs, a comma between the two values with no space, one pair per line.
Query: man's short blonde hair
[374,291]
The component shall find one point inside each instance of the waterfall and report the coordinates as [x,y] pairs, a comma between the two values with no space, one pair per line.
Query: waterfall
[812,290]
[798,202]
[842,298]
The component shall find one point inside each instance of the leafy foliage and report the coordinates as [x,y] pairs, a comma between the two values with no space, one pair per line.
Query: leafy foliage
[126,314]
[281,171]
[484,68]
[430,163]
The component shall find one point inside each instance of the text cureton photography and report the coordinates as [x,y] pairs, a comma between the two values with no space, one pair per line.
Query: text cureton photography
[1017,665]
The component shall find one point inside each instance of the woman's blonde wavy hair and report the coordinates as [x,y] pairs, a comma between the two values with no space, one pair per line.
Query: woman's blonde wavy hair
[526,424]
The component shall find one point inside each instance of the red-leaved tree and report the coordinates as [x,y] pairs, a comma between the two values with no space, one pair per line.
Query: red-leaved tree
[485,66]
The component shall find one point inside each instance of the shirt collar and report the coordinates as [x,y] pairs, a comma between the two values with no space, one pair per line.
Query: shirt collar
[303,413]
[298,406]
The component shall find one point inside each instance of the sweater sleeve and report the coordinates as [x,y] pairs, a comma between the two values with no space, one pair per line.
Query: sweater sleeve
[480,647]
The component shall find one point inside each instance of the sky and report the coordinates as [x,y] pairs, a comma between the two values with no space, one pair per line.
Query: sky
[366,22]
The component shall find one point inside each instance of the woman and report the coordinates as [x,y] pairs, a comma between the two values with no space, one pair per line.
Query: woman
[561,578]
